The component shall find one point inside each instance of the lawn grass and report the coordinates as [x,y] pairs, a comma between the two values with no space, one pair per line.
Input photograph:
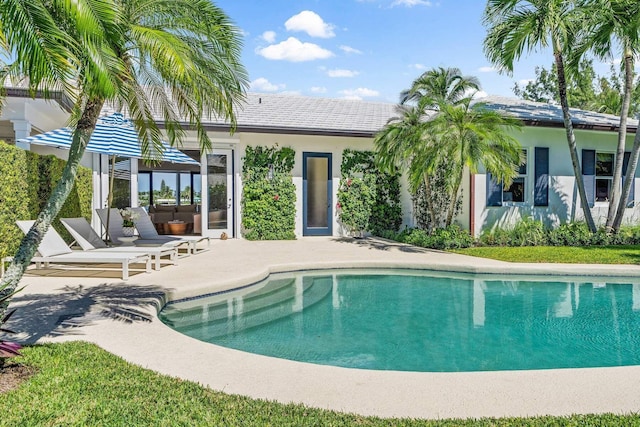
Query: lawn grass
[558,254]
[78,384]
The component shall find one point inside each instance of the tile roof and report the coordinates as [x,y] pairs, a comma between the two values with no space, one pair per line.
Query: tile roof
[542,114]
[308,115]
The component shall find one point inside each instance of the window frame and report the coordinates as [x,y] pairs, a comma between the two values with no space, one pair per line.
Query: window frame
[598,177]
[525,183]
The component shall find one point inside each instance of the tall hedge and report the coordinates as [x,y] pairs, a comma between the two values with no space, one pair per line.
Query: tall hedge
[26,181]
[268,194]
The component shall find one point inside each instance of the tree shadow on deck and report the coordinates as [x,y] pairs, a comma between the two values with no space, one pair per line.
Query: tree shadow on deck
[62,313]
[381,244]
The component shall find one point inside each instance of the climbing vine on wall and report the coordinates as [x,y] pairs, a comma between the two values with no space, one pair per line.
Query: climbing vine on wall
[268,194]
[378,209]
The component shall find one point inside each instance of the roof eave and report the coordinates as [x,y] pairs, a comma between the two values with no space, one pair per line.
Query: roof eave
[57,96]
[211,127]
[583,126]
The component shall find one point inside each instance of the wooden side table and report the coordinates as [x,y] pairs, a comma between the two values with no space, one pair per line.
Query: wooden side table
[177,227]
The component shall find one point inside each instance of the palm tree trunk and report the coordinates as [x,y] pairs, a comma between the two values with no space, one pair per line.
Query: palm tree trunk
[429,202]
[454,198]
[616,201]
[628,179]
[571,140]
[30,242]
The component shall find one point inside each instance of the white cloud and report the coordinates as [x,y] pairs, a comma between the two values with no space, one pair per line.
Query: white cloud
[411,3]
[263,85]
[359,93]
[318,89]
[349,49]
[525,82]
[269,36]
[418,66]
[342,73]
[310,23]
[486,69]
[480,94]
[294,50]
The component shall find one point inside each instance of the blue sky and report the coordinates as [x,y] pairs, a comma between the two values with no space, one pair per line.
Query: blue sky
[365,49]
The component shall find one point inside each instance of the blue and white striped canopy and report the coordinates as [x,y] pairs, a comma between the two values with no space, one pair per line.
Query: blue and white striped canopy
[114,135]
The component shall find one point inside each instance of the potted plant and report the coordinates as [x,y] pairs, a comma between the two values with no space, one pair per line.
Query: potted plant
[128,221]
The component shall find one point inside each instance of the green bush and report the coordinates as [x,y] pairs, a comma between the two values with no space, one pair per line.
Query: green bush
[570,234]
[452,237]
[384,209]
[14,202]
[268,202]
[26,182]
[355,200]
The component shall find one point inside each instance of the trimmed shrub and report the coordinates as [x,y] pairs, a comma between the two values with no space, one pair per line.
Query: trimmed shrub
[14,193]
[452,237]
[26,182]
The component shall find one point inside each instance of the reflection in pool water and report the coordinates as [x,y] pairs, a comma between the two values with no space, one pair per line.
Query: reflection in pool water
[410,321]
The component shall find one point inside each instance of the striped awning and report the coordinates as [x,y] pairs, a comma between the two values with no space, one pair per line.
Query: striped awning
[115,136]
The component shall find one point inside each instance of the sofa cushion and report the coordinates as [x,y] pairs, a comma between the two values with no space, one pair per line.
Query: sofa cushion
[164,208]
[186,208]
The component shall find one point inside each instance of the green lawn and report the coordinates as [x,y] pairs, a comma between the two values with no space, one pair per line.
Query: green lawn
[79,384]
[558,254]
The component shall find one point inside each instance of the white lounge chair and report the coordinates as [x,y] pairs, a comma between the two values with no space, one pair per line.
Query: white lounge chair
[148,231]
[53,250]
[116,233]
[89,240]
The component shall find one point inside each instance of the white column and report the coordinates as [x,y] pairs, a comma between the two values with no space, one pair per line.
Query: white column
[134,181]
[22,129]
[96,202]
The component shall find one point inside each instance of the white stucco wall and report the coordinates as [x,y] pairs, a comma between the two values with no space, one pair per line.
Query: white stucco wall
[564,204]
[304,144]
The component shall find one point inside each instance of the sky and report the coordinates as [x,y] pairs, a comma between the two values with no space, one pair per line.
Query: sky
[366,49]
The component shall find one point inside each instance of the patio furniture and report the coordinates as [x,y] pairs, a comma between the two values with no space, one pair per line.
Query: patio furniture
[177,227]
[147,231]
[88,240]
[53,250]
[162,215]
[116,231]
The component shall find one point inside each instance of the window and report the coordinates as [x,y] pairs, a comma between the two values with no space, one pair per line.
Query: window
[517,190]
[604,175]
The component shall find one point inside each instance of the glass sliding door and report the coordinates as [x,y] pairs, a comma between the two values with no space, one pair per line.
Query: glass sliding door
[317,194]
[219,193]
[121,182]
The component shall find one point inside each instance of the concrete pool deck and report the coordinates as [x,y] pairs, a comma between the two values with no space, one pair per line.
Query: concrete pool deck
[121,318]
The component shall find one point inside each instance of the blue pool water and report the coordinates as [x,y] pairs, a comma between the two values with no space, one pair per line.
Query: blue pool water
[409,321]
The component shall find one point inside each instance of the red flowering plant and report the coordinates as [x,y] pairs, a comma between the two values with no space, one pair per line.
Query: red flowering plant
[7,348]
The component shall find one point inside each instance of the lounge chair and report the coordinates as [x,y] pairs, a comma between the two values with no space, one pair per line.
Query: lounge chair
[116,233]
[89,240]
[53,250]
[148,231]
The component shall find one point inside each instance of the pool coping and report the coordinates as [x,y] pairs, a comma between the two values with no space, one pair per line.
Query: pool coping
[381,393]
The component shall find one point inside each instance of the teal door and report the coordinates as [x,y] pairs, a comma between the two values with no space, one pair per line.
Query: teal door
[317,213]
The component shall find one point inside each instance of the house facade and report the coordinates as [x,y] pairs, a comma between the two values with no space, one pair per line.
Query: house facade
[319,130]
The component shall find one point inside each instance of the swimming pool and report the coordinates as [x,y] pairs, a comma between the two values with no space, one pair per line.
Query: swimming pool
[408,320]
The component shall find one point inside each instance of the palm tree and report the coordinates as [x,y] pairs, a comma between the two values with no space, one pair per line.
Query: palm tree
[611,24]
[470,135]
[402,142]
[515,26]
[174,59]
[441,126]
